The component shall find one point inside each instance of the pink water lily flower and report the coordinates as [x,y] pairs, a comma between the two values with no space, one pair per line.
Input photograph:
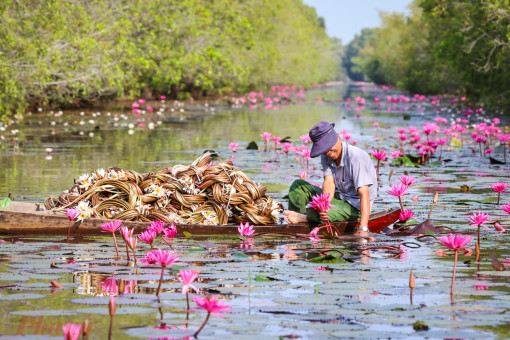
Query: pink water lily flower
[157,226]
[126,232]
[302,175]
[72,214]
[506,208]
[170,232]
[233,146]
[406,215]
[111,226]
[378,154]
[321,202]
[396,154]
[479,219]
[148,237]
[266,136]
[305,138]
[132,241]
[455,242]
[408,180]
[499,187]
[72,331]
[186,277]
[164,257]
[246,229]
[398,190]
[212,305]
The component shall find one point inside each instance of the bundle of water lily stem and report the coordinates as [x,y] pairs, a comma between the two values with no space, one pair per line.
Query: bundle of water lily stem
[201,193]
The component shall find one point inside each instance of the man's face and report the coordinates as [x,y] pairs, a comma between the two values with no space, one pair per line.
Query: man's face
[334,152]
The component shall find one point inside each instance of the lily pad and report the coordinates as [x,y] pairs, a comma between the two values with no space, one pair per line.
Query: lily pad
[118,311]
[22,296]
[45,312]
[120,300]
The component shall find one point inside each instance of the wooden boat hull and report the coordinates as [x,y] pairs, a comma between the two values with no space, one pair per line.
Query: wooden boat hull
[22,218]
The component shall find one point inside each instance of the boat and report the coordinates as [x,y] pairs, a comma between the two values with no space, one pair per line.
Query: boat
[22,218]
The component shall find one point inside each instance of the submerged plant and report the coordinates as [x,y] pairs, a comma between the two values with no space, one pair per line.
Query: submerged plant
[456,243]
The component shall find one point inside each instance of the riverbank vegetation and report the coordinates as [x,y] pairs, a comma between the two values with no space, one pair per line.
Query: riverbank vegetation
[442,47]
[66,53]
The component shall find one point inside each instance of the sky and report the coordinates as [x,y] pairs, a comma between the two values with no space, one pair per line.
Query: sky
[345,18]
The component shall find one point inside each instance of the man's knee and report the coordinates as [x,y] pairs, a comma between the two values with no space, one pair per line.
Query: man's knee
[298,183]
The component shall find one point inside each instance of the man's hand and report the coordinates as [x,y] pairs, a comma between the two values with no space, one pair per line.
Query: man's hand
[324,217]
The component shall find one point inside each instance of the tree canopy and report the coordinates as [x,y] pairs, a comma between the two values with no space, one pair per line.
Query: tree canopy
[74,52]
[443,47]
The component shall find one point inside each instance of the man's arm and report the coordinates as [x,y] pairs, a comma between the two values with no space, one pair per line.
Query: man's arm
[364,198]
[328,187]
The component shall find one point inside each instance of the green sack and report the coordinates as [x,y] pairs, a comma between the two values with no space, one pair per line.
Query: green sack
[5,203]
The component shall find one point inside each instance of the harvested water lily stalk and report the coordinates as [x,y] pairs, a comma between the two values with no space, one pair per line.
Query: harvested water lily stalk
[200,193]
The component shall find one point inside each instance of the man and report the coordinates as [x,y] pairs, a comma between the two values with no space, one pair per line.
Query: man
[349,179]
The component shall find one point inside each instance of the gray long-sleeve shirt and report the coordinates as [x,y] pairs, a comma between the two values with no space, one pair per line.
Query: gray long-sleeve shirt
[356,169]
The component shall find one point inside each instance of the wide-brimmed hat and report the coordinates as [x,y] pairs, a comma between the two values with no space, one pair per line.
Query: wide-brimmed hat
[324,137]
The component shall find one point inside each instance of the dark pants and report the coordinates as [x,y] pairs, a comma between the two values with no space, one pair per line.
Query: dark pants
[301,192]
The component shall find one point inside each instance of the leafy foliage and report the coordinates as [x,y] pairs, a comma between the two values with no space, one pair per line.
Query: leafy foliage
[458,47]
[72,52]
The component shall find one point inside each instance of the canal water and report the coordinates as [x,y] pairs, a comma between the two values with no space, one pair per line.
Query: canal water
[278,287]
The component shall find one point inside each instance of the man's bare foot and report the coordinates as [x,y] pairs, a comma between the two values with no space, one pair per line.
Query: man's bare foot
[293,217]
